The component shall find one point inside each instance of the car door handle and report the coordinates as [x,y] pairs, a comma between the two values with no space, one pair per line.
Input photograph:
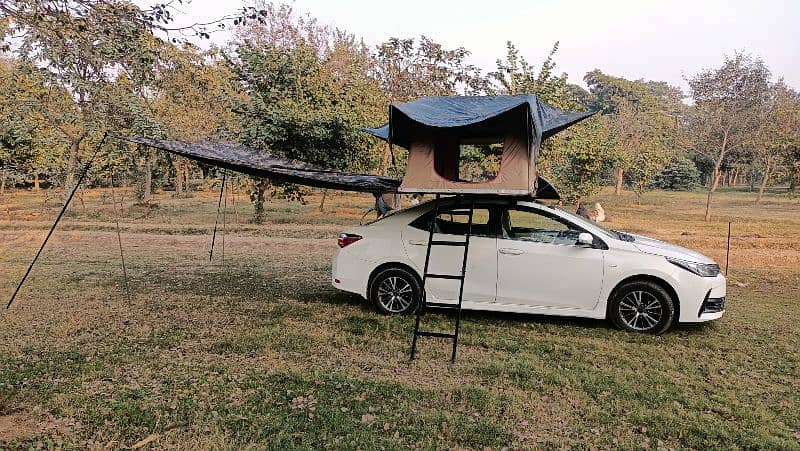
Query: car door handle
[418,242]
[510,251]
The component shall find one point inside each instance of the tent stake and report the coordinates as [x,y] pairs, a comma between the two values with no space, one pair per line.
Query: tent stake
[216,221]
[58,218]
[119,239]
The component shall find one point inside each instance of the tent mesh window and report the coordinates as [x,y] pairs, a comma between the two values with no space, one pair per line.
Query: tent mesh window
[479,159]
[467,159]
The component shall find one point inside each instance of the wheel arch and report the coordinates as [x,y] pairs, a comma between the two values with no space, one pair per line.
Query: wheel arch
[647,278]
[392,264]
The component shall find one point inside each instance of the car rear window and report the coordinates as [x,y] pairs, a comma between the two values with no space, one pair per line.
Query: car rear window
[455,222]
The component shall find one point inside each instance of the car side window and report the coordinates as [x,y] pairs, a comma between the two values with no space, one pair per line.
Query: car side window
[537,227]
[455,222]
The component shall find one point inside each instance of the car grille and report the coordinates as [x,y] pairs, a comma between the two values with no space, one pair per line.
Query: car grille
[713,305]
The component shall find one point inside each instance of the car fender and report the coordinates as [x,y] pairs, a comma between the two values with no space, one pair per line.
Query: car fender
[393,261]
[619,267]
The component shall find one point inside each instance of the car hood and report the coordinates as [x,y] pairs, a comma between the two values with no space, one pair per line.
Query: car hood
[653,246]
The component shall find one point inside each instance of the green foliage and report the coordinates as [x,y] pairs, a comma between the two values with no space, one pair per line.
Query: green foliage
[302,96]
[681,174]
[515,75]
[479,162]
[643,117]
[729,112]
[577,166]
[28,143]
[409,70]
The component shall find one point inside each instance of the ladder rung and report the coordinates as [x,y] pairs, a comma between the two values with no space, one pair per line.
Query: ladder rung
[435,334]
[444,276]
[441,305]
[448,243]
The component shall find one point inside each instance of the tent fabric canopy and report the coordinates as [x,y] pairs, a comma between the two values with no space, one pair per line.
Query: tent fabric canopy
[249,161]
[252,162]
[471,112]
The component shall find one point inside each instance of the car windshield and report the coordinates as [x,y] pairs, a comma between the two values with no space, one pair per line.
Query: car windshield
[615,234]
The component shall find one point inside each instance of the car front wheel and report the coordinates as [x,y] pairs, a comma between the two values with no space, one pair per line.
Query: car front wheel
[643,307]
[395,291]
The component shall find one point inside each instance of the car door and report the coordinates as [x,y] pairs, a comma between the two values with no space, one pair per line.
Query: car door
[540,264]
[481,274]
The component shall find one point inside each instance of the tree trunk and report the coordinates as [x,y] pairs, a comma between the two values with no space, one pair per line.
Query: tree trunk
[186,176]
[261,187]
[618,173]
[711,188]
[148,182]
[36,181]
[387,160]
[715,175]
[178,176]
[3,181]
[72,163]
[765,179]
[322,202]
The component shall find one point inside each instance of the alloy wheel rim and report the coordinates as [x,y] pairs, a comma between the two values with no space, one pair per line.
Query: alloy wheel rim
[640,310]
[395,294]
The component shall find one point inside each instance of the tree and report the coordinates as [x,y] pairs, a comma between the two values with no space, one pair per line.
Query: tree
[80,43]
[310,93]
[577,166]
[680,174]
[408,70]
[193,93]
[515,75]
[728,106]
[28,144]
[86,44]
[643,117]
[781,134]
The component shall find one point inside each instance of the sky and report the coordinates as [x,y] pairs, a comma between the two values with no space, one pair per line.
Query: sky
[648,39]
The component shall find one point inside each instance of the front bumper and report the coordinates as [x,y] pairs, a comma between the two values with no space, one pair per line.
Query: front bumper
[701,298]
[711,308]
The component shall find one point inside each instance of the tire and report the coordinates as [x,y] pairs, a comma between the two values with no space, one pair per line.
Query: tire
[395,291]
[642,307]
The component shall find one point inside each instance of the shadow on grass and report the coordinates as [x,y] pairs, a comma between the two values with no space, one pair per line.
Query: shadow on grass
[241,280]
[526,318]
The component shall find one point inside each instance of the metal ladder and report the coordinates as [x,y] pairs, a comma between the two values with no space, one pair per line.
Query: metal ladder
[424,304]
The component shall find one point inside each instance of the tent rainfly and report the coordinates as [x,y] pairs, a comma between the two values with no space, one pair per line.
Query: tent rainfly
[441,134]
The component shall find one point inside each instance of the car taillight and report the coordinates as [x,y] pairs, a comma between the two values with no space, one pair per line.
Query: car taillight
[347,239]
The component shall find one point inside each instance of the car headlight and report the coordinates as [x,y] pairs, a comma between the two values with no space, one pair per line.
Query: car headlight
[701,269]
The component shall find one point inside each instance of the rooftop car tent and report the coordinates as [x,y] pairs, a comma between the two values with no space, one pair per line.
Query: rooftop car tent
[433,129]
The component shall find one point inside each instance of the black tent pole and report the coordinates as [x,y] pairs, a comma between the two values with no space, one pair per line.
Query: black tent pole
[119,239]
[58,218]
[216,221]
[224,225]
[391,140]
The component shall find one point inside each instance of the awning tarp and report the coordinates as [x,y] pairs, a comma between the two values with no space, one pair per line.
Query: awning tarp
[471,112]
[239,158]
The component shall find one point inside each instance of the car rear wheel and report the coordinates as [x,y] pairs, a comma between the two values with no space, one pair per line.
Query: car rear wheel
[395,291]
[642,307]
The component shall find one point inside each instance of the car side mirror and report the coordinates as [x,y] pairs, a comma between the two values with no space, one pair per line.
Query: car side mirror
[585,239]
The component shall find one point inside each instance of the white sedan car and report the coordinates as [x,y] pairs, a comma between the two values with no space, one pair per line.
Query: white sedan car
[525,257]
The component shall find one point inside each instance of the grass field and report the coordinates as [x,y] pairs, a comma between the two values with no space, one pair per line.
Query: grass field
[258,351]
